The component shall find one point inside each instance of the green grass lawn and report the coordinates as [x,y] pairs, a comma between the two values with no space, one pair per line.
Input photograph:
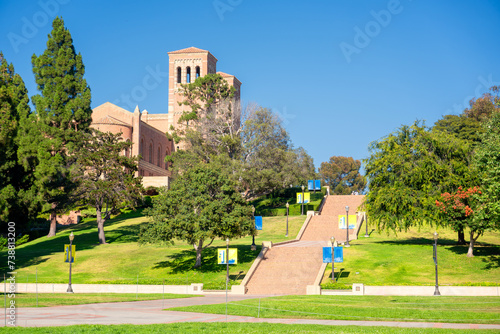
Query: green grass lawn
[59,299]
[124,261]
[481,310]
[232,327]
[406,259]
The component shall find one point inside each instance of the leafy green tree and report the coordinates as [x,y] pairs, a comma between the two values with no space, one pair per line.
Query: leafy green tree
[342,175]
[408,170]
[14,181]
[63,114]
[200,206]
[105,176]
[487,164]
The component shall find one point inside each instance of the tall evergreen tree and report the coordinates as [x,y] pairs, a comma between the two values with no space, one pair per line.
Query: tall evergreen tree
[14,109]
[63,113]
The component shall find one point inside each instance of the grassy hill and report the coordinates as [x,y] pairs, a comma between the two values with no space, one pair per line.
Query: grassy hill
[381,259]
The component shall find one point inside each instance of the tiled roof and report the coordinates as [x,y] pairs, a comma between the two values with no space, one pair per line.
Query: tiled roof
[111,120]
[222,74]
[191,49]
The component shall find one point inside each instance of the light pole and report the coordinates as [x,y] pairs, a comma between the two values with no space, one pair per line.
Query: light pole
[253,247]
[303,200]
[347,226]
[366,225]
[436,291]
[287,206]
[71,237]
[332,239]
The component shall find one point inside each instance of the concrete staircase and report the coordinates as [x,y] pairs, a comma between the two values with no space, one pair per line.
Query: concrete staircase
[289,267]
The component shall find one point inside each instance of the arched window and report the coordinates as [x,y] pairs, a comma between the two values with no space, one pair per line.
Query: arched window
[197,72]
[188,74]
[158,157]
[179,75]
[150,153]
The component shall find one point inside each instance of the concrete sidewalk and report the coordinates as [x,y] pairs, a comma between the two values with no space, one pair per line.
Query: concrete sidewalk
[150,312]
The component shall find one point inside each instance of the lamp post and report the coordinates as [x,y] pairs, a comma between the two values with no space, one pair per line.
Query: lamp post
[332,239]
[436,291]
[347,226]
[287,206]
[71,237]
[303,199]
[253,247]
[366,225]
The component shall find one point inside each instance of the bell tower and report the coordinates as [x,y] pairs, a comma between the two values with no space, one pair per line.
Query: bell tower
[184,67]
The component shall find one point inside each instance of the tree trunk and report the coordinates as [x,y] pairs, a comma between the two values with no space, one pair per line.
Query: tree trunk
[461,237]
[471,245]
[100,227]
[198,249]
[53,222]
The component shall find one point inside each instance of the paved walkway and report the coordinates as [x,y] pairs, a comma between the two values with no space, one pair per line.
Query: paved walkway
[150,312]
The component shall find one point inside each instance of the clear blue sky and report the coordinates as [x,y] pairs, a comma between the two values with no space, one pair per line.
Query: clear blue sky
[341,73]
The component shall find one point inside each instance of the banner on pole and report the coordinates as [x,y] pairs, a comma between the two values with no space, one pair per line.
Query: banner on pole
[310,184]
[307,198]
[66,253]
[258,223]
[317,184]
[233,256]
[352,221]
[338,254]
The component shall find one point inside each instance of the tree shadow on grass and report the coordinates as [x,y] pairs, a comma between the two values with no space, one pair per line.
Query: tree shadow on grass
[36,251]
[489,253]
[185,260]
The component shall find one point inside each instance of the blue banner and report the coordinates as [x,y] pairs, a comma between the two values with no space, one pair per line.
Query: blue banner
[310,185]
[317,184]
[258,222]
[338,254]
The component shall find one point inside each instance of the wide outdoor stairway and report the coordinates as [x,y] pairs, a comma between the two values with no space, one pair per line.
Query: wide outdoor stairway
[288,268]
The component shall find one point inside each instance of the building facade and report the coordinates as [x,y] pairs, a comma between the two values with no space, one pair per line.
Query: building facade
[146,131]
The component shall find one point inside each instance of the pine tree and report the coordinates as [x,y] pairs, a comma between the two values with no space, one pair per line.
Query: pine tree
[13,109]
[63,113]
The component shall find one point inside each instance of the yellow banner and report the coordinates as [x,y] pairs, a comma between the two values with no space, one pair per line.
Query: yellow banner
[307,197]
[352,221]
[233,256]
[66,253]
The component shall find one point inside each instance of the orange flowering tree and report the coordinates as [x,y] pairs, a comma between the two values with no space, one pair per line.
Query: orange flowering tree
[458,209]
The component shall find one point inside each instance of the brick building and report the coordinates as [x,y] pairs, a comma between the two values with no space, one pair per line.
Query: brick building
[146,131]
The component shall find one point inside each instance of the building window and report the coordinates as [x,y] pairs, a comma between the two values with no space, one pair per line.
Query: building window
[150,153]
[158,156]
[141,153]
[188,74]
[179,74]
[197,72]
